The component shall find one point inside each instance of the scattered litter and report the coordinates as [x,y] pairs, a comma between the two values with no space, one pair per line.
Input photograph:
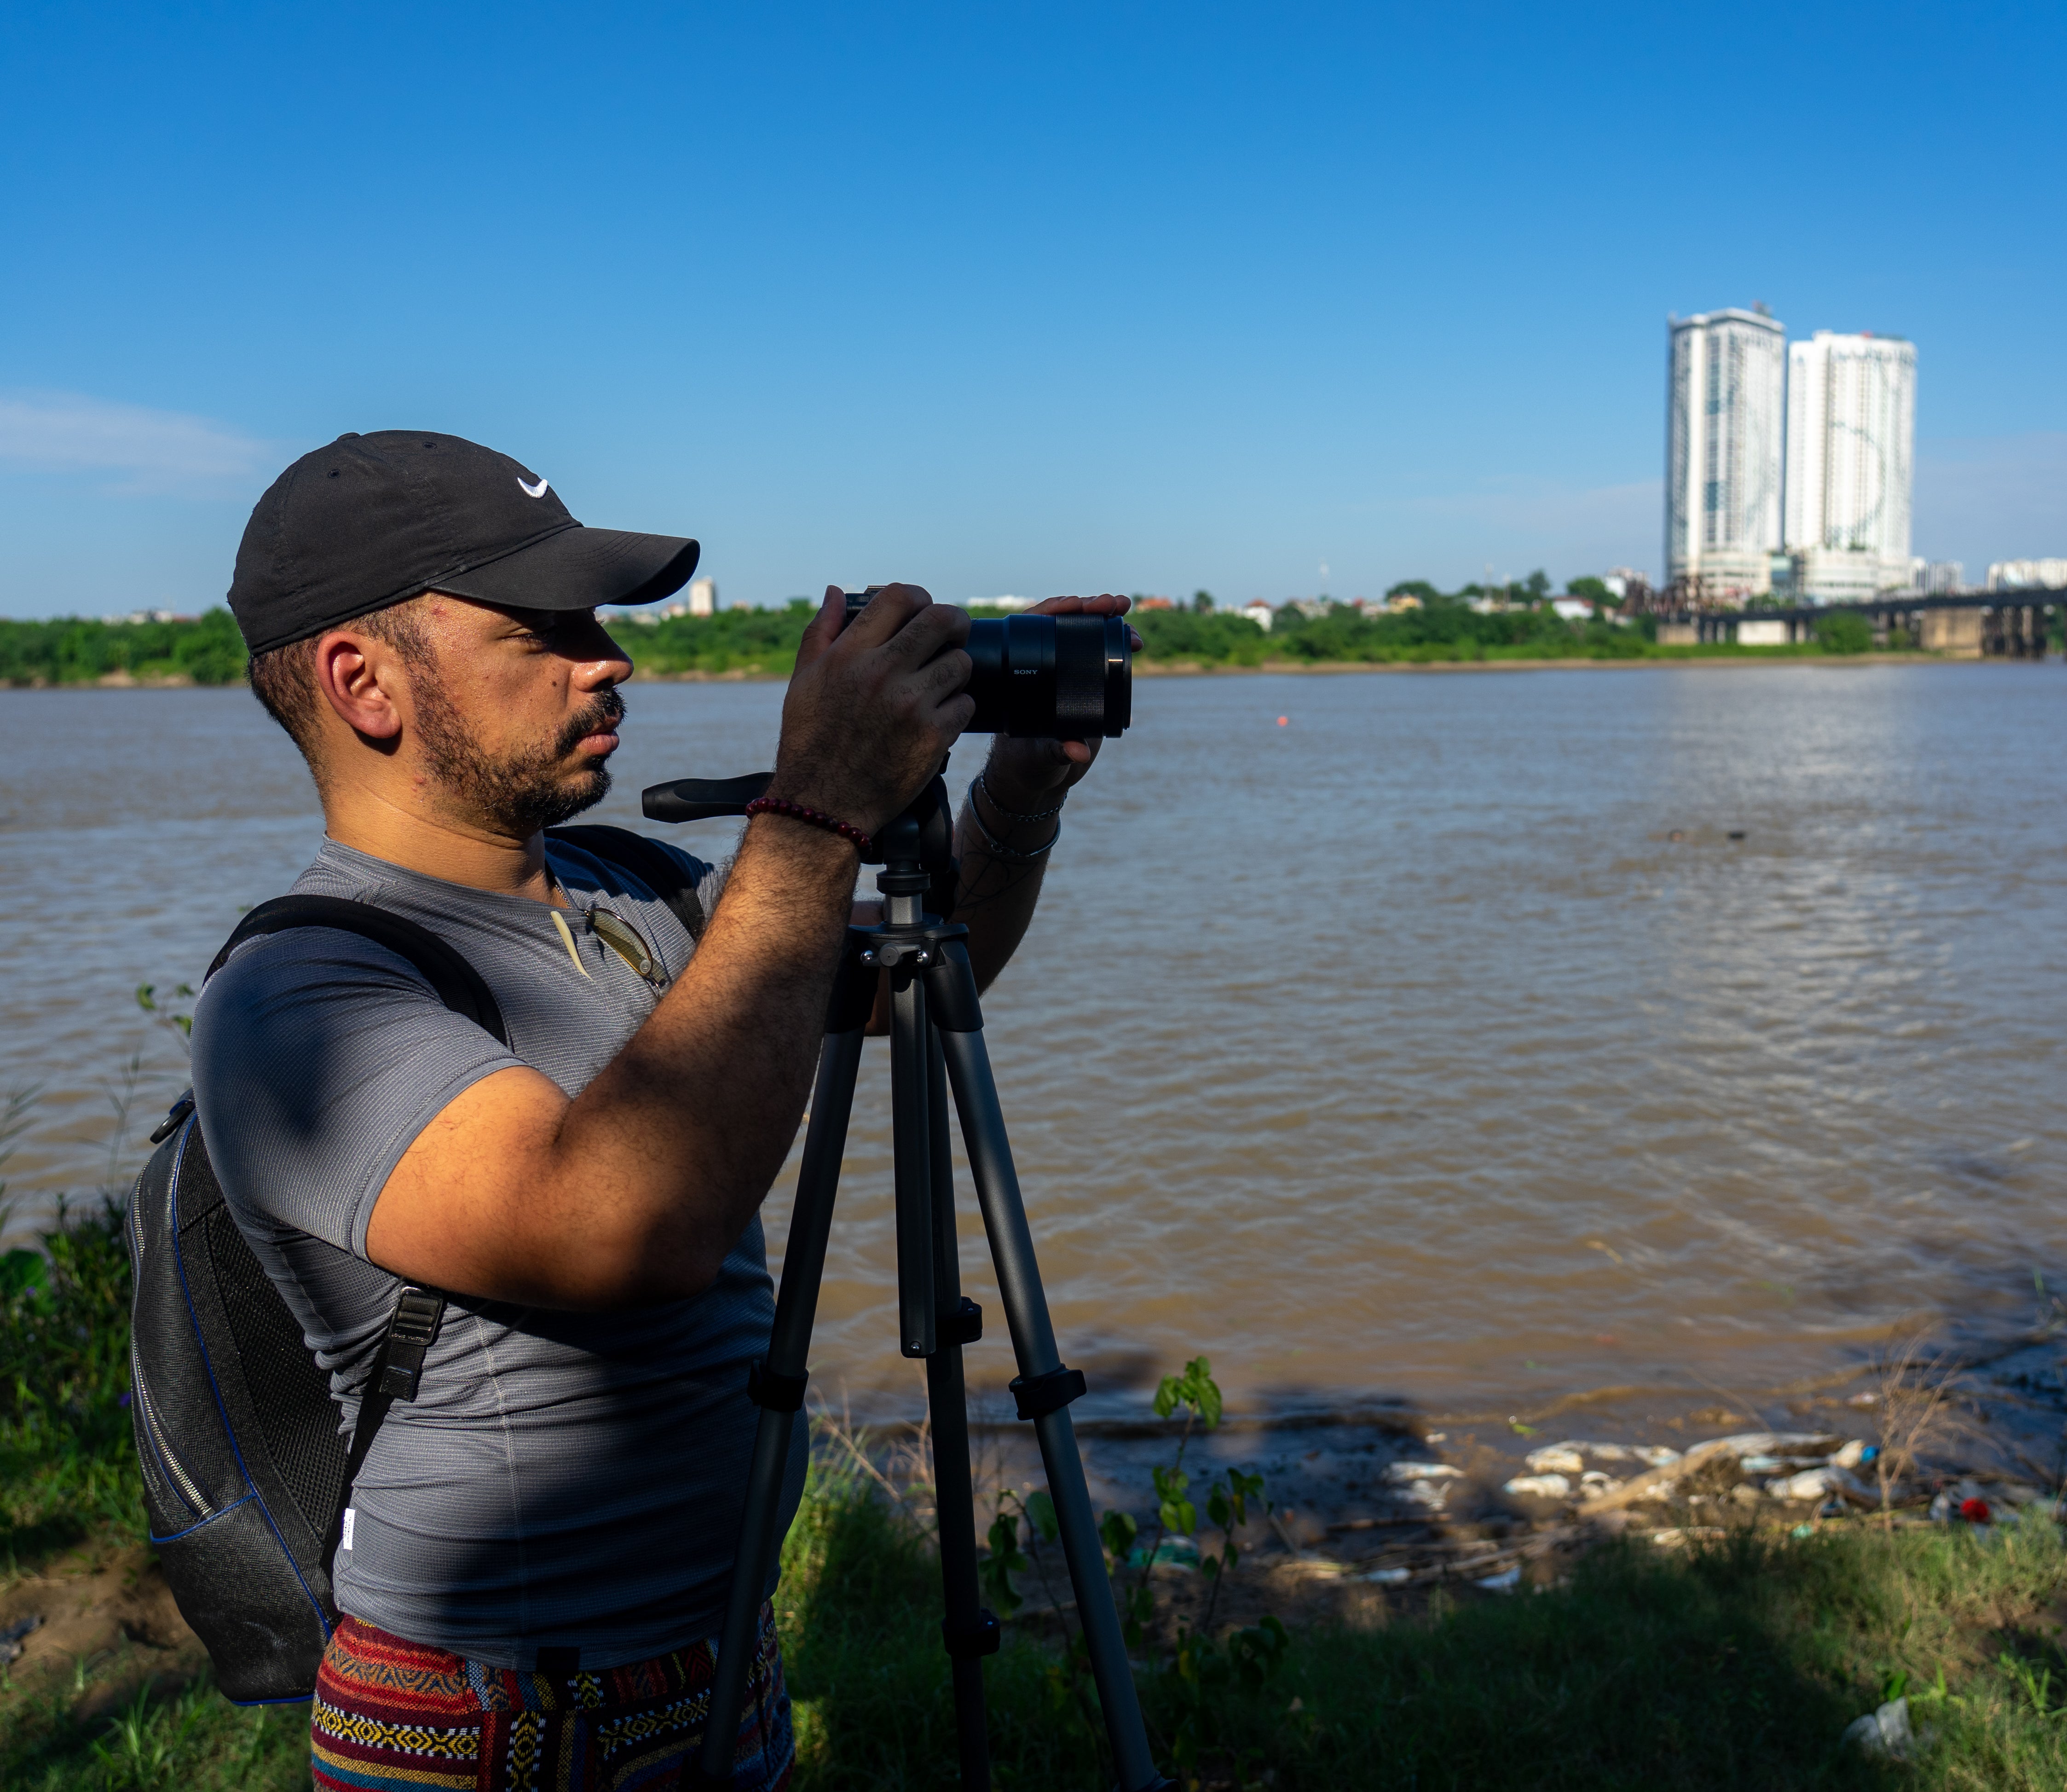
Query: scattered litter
[11,1644]
[1676,1535]
[1422,1471]
[1818,1484]
[1887,1731]
[1593,1484]
[1975,1511]
[1426,1483]
[1764,1442]
[1801,1531]
[1570,1457]
[1172,1552]
[1504,1581]
[1855,1455]
[1390,1577]
[1745,1494]
[1863,1400]
[1541,1487]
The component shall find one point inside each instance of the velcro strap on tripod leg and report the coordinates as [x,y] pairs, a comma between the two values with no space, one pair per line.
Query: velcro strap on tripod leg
[1048,1393]
[411,1333]
[774,1392]
[985,1639]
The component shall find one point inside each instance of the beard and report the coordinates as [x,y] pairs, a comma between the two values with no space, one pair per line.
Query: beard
[527,790]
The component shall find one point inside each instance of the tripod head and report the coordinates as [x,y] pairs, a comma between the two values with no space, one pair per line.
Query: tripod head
[920,839]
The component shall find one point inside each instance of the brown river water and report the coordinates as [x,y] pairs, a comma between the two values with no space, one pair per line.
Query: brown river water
[1399,1052]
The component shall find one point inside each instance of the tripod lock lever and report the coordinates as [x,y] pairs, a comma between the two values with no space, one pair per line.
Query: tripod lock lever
[1041,1395]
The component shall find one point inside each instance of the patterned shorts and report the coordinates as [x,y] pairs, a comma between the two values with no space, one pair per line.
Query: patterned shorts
[395,1717]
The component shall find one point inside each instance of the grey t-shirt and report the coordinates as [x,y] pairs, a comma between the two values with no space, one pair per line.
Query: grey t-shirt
[562,1479]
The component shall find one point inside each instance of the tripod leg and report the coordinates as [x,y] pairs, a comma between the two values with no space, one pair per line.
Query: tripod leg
[970,1631]
[778,1385]
[1045,1387]
[912,1142]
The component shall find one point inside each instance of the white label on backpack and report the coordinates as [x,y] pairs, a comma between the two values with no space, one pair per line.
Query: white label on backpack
[349,1517]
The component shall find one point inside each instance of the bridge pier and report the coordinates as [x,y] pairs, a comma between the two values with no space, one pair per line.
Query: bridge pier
[1957,634]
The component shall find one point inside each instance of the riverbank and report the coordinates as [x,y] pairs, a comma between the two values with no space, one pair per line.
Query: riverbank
[1677,1636]
[166,653]
[1143,668]
[1721,656]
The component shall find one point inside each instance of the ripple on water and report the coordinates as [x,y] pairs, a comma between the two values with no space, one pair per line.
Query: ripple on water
[1386,1055]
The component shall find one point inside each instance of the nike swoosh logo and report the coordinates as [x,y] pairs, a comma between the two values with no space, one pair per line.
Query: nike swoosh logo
[537,491]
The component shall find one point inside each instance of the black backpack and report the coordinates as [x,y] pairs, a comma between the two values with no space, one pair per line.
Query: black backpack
[246,1478]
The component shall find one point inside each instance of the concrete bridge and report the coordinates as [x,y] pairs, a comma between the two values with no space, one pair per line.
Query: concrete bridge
[2006,624]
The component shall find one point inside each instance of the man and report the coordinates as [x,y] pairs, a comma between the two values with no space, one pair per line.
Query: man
[537,1556]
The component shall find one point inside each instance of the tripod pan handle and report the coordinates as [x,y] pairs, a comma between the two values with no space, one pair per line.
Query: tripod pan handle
[703,798]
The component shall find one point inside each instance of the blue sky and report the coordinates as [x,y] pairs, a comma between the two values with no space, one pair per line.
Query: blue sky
[1003,298]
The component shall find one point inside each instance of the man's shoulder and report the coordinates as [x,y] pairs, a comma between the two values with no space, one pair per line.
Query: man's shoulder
[608,855]
[320,957]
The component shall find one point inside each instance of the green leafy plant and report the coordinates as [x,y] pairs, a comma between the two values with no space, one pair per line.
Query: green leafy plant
[2036,1683]
[172,1020]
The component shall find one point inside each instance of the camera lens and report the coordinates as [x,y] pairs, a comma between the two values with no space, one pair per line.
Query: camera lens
[1069,676]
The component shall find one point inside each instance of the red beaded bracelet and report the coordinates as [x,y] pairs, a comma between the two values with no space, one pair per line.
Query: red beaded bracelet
[796,811]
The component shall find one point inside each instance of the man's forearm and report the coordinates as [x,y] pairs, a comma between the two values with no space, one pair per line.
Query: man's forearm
[1000,883]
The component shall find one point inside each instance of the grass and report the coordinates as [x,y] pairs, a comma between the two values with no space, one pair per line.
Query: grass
[1736,1664]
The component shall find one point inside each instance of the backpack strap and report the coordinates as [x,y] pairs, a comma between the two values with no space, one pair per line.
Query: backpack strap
[454,982]
[413,1326]
[650,861]
[398,1371]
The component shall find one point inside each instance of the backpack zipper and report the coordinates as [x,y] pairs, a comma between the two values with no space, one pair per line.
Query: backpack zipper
[182,1482]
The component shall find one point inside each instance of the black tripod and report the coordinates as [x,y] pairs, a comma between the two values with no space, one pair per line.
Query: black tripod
[936,1041]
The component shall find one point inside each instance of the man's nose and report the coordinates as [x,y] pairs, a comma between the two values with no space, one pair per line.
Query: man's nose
[604,664]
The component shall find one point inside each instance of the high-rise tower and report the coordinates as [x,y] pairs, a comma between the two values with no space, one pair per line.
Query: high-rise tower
[1851,451]
[1724,396]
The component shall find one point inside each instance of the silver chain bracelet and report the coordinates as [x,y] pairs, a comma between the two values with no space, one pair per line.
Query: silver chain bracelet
[998,849]
[990,796]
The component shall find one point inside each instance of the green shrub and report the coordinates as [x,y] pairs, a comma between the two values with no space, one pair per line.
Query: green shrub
[1844,633]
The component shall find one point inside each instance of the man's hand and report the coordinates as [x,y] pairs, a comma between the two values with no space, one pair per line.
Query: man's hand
[874,706]
[1030,775]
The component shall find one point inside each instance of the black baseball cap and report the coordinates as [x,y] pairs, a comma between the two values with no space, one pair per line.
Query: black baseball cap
[374,520]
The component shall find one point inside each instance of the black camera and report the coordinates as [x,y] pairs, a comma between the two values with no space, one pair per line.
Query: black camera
[1069,676]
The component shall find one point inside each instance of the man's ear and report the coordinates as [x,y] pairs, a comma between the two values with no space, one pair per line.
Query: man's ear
[360,676]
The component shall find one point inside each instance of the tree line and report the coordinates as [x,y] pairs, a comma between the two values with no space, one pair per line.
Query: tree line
[1444,628]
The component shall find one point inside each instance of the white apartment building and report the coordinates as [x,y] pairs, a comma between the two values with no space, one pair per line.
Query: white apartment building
[1851,452]
[1936,578]
[2015,575]
[1724,420]
[703,597]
